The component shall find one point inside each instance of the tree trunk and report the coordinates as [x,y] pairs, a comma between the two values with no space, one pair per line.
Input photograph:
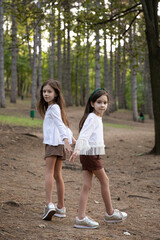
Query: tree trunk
[149,97]
[39,82]
[14,55]
[64,70]
[29,47]
[52,40]
[124,80]
[69,58]
[105,62]
[82,96]
[151,19]
[34,72]
[87,68]
[113,106]
[119,78]
[134,90]
[97,58]
[116,77]
[144,105]
[111,69]
[133,77]
[77,68]
[39,62]
[59,49]
[2,88]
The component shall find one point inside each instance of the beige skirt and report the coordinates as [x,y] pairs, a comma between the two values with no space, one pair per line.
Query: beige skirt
[55,151]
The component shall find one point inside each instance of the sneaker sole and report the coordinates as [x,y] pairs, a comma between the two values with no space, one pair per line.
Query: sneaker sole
[114,221]
[60,215]
[81,226]
[49,215]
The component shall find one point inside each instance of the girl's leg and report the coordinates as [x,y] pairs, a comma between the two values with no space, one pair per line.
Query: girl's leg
[105,191]
[59,183]
[87,183]
[50,164]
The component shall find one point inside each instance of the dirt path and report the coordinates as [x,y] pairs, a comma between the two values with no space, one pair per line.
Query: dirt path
[134,183]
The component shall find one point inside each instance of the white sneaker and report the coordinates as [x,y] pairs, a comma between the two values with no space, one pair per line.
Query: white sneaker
[86,222]
[117,216]
[60,212]
[49,211]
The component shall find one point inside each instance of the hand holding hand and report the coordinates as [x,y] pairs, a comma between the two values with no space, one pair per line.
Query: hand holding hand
[73,156]
[67,146]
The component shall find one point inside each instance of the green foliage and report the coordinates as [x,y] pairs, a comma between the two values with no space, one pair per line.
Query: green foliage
[83,15]
[45,66]
[140,91]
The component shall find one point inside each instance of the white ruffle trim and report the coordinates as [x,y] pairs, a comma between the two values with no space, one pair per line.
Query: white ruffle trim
[87,148]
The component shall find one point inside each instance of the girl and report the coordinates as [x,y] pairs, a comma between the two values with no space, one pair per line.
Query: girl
[57,138]
[90,145]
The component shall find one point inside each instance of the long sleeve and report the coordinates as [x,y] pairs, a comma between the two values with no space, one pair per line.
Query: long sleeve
[54,130]
[56,115]
[87,130]
[90,140]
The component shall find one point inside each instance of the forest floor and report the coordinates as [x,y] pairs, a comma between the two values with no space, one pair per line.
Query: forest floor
[134,182]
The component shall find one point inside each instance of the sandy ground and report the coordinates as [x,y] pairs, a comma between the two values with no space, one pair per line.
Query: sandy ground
[134,182]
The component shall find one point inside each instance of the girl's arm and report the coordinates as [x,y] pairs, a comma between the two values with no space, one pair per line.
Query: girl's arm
[56,115]
[73,141]
[82,143]
[67,146]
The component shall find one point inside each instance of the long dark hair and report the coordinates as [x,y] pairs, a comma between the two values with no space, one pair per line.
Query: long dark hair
[88,109]
[43,105]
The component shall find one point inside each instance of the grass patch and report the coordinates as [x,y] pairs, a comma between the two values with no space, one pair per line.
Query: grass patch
[115,125]
[21,121]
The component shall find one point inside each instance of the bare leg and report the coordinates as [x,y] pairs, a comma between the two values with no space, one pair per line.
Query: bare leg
[87,183]
[59,183]
[50,164]
[105,191]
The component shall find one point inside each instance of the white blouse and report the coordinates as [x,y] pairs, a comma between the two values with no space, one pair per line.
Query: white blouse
[90,140]
[54,130]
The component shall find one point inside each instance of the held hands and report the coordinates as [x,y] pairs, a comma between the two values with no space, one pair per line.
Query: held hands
[73,156]
[67,146]
[73,141]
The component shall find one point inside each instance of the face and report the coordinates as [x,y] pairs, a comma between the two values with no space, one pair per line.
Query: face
[100,105]
[49,94]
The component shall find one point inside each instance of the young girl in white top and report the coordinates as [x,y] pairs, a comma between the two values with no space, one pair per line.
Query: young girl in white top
[90,145]
[57,138]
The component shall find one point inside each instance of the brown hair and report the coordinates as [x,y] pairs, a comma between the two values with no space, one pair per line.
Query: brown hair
[43,105]
[88,109]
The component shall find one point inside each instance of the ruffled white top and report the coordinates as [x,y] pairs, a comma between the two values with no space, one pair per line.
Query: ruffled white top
[54,130]
[90,140]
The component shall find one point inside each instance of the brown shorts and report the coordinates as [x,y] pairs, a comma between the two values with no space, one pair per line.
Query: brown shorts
[91,162]
[55,151]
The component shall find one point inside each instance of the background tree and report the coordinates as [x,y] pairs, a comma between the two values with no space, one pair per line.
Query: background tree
[73,58]
[2,90]
[150,9]
[14,54]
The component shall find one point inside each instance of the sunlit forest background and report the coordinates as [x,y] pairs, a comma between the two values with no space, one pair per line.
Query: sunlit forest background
[84,44]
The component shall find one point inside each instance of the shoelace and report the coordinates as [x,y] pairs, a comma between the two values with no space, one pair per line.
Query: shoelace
[89,218]
[116,210]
